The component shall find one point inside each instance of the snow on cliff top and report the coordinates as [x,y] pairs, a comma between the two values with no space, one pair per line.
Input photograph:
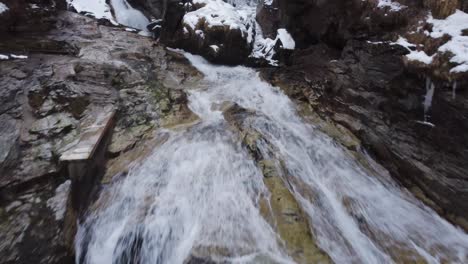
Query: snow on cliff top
[458,45]
[286,39]
[219,13]
[239,14]
[392,5]
[453,26]
[97,8]
[3,7]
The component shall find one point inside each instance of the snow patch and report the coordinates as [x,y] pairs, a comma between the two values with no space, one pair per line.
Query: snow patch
[3,8]
[458,45]
[58,203]
[96,8]
[217,13]
[420,56]
[405,43]
[414,55]
[215,48]
[286,39]
[393,6]
[200,33]
[21,57]
[452,25]
[4,57]
[264,48]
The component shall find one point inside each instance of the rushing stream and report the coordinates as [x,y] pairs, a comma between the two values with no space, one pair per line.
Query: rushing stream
[197,196]
[198,193]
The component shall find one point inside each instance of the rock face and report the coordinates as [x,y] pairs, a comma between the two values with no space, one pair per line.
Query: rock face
[366,89]
[69,67]
[31,226]
[28,16]
[333,22]
[349,75]
[213,29]
[66,66]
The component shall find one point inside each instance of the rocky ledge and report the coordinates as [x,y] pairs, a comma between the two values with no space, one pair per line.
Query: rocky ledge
[409,115]
[66,69]
[353,65]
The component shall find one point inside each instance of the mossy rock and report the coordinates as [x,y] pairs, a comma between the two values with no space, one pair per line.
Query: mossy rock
[292,224]
[282,210]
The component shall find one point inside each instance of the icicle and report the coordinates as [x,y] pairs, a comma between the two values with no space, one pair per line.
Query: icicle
[454,90]
[430,88]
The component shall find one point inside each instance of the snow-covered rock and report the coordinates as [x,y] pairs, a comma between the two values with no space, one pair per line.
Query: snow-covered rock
[392,5]
[218,30]
[267,49]
[3,7]
[219,14]
[439,45]
[457,46]
[96,8]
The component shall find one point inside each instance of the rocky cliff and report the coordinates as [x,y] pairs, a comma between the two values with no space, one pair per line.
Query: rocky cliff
[61,70]
[383,71]
[352,70]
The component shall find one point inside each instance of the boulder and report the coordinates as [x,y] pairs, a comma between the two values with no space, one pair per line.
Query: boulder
[213,29]
[216,30]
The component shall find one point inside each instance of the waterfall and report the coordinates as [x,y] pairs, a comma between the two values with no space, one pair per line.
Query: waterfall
[126,15]
[198,194]
[430,89]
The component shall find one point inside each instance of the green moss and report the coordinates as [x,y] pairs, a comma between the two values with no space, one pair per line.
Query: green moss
[292,224]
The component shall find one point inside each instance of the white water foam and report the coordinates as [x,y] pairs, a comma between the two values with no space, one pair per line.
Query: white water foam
[198,193]
[126,15]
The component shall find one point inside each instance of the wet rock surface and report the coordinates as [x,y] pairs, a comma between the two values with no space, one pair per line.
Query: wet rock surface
[351,77]
[280,209]
[366,89]
[333,22]
[34,217]
[72,68]
[363,92]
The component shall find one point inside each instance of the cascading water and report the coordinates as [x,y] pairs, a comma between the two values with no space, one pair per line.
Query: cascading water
[197,196]
[198,193]
[126,15]
[430,89]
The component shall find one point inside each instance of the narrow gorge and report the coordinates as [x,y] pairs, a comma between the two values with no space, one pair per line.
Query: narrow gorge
[238,131]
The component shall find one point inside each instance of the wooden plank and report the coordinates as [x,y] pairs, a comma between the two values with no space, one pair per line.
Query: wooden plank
[93,129]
